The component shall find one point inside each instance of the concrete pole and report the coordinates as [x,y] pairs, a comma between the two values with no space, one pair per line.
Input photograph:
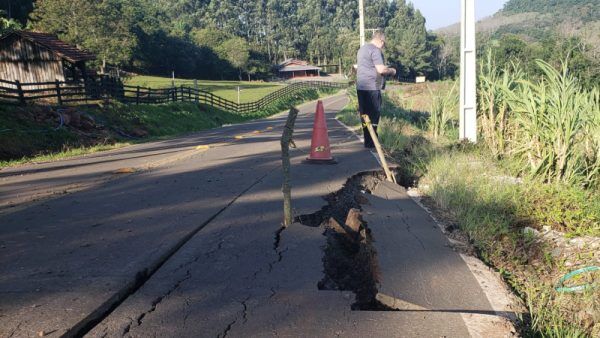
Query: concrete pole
[468,73]
[361,20]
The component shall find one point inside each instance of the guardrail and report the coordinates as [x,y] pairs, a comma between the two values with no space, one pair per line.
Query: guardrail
[106,89]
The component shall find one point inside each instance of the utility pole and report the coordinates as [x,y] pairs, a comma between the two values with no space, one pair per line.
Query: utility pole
[361,20]
[468,75]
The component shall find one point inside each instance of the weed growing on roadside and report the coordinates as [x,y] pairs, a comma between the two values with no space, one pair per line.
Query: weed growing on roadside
[443,110]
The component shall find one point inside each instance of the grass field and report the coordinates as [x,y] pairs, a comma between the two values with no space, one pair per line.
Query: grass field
[250,91]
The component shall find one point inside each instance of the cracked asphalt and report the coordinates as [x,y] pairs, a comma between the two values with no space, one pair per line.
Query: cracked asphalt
[189,243]
[203,224]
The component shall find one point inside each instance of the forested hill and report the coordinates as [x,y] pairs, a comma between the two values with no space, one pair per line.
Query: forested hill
[585,9]
[537,20]
[230,38]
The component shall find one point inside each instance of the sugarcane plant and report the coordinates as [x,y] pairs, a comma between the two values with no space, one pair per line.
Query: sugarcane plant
[555,119]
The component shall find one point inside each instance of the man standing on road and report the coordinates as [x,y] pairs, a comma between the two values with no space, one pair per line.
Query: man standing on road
[369,81]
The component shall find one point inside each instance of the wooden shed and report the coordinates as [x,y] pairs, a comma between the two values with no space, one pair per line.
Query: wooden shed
[293,68]
[31,57]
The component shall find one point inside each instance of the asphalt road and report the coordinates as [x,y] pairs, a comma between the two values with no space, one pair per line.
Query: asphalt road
[183,238]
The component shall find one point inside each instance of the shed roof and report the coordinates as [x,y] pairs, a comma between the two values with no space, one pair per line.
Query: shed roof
[298,68]
[289,62]
[55,45]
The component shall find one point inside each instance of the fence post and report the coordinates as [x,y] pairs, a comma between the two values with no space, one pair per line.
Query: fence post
[137,95]
[174,94]
[20,92]
[58,96]
[196,88]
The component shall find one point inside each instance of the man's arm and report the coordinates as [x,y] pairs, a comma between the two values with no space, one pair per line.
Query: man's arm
[383,70]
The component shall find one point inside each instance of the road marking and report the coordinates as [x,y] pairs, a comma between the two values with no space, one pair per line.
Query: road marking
[128,170]
[203,147]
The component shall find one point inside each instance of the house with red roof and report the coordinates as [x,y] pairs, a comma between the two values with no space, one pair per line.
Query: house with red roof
[293,68]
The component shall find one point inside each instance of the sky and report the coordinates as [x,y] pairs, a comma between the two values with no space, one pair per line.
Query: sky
[441,13]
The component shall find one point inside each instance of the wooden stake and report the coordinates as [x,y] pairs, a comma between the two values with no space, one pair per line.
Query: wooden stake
[286,139]
[388,173]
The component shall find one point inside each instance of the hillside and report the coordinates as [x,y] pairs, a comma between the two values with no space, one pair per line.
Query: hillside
[536,19]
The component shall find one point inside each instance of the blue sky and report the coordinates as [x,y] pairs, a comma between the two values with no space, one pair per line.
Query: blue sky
[441,13]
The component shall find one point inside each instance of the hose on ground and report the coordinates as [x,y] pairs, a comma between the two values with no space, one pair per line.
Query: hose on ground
[560,287]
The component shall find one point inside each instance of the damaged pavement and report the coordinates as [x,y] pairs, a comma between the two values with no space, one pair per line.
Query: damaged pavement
[362,258]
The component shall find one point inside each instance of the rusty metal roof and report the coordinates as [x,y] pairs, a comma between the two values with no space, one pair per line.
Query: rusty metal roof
[55,45]
[298,68]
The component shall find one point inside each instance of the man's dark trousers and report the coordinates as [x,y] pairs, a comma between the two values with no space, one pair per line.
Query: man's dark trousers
[369,103]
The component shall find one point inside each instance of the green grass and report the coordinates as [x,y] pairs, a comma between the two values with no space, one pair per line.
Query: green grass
[349,115]
[250,91]
[493,210]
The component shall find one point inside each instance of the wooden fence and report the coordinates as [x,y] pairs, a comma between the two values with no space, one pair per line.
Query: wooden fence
[106,89]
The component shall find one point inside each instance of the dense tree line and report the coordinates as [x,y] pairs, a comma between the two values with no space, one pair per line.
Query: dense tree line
[586,8]
[514,49]
[232,38]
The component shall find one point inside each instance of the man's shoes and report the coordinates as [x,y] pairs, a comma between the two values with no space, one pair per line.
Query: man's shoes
[369,146]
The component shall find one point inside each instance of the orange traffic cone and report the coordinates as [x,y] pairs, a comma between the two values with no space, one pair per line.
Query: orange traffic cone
[320,151]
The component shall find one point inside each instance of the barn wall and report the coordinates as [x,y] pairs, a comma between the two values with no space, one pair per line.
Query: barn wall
[27,62]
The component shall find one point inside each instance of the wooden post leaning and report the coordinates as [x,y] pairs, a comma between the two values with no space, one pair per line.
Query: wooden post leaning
[388,174]
[286,139]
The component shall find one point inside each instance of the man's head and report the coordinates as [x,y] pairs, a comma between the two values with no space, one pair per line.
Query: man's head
[378,39]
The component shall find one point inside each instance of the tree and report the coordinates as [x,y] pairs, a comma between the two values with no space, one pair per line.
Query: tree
[225,38]
[236,51]
[407,43]
[101,26]
[209,37]
[8,25]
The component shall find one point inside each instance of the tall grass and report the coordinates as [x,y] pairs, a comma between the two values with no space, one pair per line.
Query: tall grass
[549,125]
[591,141]
[552,132]
[443,108]
[493,105]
